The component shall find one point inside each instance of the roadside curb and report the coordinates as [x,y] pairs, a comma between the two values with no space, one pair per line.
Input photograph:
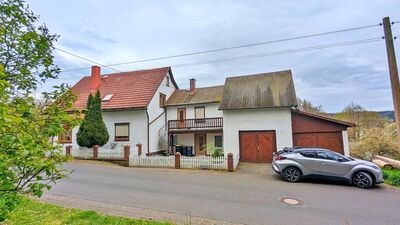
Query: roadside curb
[128,211]
[390,186]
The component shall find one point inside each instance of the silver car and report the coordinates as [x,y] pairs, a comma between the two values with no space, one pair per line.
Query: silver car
[293,164]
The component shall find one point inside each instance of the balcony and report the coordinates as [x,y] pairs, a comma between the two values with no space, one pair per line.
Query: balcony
[195,124]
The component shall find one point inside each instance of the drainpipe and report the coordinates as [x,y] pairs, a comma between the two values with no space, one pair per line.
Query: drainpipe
[148,132]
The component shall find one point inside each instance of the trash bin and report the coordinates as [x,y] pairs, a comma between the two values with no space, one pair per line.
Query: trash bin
[184,150]
[189,150]
[178,148]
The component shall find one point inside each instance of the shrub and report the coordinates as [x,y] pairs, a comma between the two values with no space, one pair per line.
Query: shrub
[376,140]
[93,130]
[392,177]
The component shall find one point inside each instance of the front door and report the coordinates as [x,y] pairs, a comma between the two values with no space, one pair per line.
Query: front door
[200,144]
[181,117]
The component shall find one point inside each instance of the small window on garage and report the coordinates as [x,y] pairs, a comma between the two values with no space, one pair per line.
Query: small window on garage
[121,132]
[218,141]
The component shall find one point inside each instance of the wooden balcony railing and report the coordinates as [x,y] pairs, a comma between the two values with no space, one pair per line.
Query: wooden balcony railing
[206,123]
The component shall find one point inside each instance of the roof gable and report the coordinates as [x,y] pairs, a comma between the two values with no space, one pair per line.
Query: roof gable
[129,90]
[264,90]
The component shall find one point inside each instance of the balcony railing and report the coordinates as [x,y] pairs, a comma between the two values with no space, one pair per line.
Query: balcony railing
[206,123]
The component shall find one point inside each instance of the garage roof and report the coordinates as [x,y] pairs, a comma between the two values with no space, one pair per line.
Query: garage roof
[263,90]
[202,95]
[325,118]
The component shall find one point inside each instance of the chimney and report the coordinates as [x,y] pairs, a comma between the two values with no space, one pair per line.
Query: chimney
[192,89]
[95,77]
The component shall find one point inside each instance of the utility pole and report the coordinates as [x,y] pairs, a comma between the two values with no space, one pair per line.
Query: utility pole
[394,74]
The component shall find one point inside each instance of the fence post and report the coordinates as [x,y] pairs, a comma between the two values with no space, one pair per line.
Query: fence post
[230,162]
[177,160]
[139,146]
[95,151]
[127,151]
[68,150]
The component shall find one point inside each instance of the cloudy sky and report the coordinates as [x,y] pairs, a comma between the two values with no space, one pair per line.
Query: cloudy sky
[119,31]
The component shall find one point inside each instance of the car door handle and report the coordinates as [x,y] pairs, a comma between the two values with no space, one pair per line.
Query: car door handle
[322,163]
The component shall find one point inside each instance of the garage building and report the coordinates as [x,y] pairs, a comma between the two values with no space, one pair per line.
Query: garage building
[260,117]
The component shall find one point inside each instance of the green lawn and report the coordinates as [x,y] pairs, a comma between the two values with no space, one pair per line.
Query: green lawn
[34,212]
[392,177]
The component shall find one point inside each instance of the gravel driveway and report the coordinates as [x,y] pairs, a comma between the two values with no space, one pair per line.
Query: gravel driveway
[251,196]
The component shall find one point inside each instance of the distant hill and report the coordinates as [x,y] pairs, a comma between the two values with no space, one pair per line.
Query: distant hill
[387,114]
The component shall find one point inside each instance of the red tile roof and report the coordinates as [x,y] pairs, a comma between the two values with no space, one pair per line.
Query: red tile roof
[133,89]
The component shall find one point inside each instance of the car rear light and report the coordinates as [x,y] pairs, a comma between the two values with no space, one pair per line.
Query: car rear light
[279,157]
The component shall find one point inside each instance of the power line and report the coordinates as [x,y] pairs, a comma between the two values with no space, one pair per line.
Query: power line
[289,51]
[80,57]
[236,47]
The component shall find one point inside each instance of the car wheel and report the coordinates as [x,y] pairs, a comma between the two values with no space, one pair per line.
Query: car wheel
[362,180]
[291,174]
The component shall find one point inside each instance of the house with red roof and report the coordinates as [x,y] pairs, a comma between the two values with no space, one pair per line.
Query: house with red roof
[251,116]
[132,104]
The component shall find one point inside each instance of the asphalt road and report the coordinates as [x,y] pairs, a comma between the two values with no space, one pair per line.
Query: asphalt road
[248,197]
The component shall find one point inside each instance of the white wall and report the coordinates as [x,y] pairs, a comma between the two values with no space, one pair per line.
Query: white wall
[346,143]
[154,111]
[137,128]
[186,139]
[211,111]
[278,119]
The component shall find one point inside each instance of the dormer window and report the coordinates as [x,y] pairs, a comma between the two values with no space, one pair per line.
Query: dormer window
[107,98]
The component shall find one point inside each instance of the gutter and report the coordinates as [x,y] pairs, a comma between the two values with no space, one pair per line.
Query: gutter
[148,132]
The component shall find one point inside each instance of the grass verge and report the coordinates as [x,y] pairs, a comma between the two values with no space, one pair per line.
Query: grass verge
[392,177]
[34,212]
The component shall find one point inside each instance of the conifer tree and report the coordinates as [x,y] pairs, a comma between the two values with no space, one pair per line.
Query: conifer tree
[93,130]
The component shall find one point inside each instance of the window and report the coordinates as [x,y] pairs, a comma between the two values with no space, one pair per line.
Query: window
[107,97]
[167,81]
[328,156]
[199,112]
[121,132]
[218,141]
[162,100]
[308,154]
[66,137]
[174,139]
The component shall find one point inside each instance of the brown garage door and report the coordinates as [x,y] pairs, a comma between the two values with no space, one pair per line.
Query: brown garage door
[329,140]
[257,146]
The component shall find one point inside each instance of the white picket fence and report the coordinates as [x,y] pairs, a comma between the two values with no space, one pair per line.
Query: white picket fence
[198,162]
[82,152]
[105,153]
[152,161]
[204,162]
